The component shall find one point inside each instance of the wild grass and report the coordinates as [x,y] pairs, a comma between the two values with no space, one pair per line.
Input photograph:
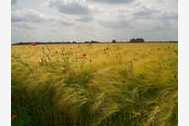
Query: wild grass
[94,85]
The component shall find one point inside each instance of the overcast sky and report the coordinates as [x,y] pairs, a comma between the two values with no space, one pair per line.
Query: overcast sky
[103,20]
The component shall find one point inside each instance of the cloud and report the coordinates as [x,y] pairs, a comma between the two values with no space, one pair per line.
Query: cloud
[33,16]
[154,20]
[85,19]
[114,1]
[145,12]
[72,8]
[116,24]
[21,26]
[81,20]
[141,21]
[170,16]
[151,13]
[27,15]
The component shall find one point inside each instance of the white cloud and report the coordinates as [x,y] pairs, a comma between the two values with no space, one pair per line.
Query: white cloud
[27,15]
[72,7]
[33,16]
[113,1]
[59,20]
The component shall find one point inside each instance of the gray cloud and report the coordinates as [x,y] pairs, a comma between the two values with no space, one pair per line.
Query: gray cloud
[27,15]
[33,16]
[114,1]
[119,24]
[59,20]
[22,26]
[142,22]
[170,16]
[149,13]
[65,23]
[73,8]
[145,12]
[85,19]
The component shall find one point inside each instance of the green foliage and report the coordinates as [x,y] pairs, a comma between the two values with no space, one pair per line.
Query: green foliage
[78,78]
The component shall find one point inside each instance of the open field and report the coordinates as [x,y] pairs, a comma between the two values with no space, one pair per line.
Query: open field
[95,85]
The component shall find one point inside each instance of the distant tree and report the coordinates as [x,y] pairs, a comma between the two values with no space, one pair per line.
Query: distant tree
[94,41]
[137,40]
[74,42]
[113,41]
[86,42]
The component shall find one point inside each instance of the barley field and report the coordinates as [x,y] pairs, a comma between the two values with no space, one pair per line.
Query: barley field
[95,84]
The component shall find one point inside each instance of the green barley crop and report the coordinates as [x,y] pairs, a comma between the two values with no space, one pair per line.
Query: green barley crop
[95,85]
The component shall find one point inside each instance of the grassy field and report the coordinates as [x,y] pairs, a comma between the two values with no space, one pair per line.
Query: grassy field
[94,85]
